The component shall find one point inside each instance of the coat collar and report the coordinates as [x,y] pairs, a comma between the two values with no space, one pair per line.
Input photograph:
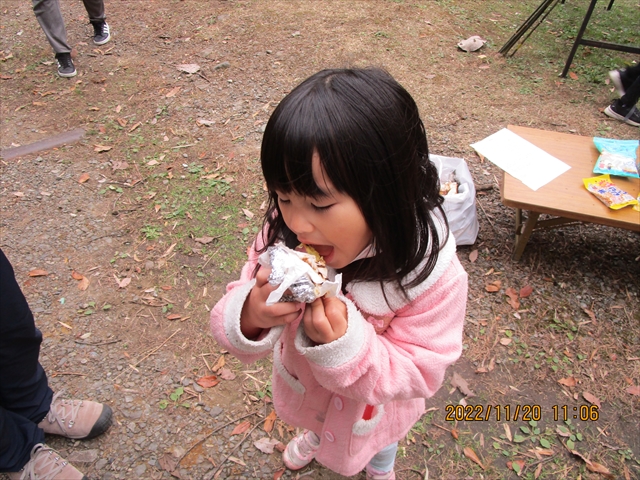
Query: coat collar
[369,296]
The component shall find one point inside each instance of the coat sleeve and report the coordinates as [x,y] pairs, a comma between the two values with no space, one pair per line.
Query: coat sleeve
[408,360]
[225,318]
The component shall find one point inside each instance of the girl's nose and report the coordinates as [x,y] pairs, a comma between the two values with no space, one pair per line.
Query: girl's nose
[298,223]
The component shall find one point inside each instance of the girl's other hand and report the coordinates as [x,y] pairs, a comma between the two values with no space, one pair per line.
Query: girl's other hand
[326,320]
[257,315]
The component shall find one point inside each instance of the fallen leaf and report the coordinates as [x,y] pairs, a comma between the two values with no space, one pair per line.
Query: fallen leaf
[120,165]
[248,213]
[598,468]
[237,460]
[516,465]
[592,315]
[204,240]
[505,341]
[573,75]
[493,286]
[188,67]
[174,316]
[568,382]
[206,123]
[241,428]
[38,273]
[101,148]
[135,126]
[83,284]
[461,384]
[634,390]
[83,178]
[270,421]
[591,399]
[76,275]
[123,122]
[507,431]
[168,462]
[513,298]
[454,433]
[538,471]
[227,374]
[208,381]
[277,475]
[122,283]
[173,92]
[526,291]
[470,454]
[266,444]
[473,256]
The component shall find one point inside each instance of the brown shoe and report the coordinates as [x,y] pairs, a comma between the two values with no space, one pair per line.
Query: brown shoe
[46,464]
[78,419]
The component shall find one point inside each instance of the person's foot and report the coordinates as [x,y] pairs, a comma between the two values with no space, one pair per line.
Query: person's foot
[101,33]
[627,114]
[301,450]
[373,474]
[620,80]
[65,65]
[78,419]
[46,464]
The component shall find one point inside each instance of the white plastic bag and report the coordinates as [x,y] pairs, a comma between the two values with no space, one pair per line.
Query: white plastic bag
[460,207]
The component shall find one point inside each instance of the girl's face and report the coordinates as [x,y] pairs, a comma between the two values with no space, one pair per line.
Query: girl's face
[331,223]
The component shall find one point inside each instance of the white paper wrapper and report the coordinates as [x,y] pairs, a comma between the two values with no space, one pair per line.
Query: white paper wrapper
[291,272]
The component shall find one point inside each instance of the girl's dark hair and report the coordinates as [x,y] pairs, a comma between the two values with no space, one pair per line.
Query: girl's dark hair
[372,145]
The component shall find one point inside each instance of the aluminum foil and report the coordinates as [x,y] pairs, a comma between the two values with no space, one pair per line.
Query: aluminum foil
[299,276]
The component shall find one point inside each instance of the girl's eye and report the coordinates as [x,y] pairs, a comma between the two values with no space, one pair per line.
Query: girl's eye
[282,200]
[321,209]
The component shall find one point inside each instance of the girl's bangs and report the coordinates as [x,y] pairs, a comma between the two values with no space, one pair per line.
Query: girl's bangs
[287,155]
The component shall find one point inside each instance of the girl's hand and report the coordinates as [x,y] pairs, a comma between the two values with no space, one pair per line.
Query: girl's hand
[257,315]
[325,320]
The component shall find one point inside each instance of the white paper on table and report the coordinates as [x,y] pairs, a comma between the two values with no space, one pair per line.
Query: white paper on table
[521,159]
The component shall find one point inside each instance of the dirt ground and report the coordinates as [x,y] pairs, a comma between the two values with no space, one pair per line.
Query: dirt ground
[137,227]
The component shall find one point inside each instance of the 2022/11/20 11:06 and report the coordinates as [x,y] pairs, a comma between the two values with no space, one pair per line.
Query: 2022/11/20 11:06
[526,413]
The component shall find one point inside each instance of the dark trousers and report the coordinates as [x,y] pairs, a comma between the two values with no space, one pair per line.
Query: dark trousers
[25,396]
[50,19]
[632,93]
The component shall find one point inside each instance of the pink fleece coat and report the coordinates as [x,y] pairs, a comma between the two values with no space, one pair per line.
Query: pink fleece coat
[392,357]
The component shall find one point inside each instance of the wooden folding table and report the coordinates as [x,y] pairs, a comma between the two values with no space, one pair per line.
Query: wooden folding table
[565,198]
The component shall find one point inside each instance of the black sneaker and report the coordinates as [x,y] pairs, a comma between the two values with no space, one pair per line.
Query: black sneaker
[101,33]
[65,65]
[627,114]
[620,80]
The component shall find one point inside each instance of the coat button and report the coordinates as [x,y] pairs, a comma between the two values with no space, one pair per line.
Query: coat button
[337,402]
[329,436]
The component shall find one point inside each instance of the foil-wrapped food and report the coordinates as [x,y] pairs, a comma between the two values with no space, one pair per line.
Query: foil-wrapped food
[301,276]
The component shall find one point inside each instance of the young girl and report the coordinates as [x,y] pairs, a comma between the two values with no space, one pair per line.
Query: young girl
[346,163]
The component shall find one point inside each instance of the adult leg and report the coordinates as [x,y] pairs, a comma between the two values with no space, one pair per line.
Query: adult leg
[18,435]
[95,9]
[50,19]
[25,396]
[632,94]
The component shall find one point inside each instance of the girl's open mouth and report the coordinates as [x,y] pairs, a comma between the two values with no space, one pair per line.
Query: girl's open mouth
[324,250]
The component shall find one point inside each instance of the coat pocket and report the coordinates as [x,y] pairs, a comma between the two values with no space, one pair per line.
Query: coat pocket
[288,392]
[363,430]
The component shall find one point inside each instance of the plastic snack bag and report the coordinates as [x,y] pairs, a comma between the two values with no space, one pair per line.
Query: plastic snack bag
[303,274]
[608,193]
[617,157]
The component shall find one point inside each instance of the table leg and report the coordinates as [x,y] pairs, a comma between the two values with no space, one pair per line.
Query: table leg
[578,40]
[522,237]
